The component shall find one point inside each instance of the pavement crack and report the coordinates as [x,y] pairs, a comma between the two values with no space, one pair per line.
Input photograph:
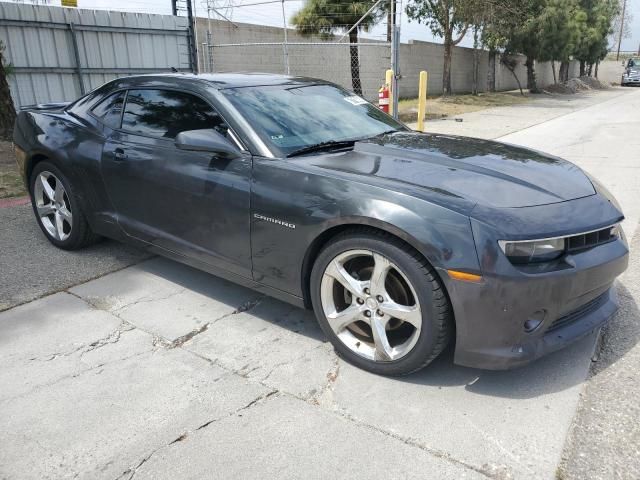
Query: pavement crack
[252,403]
[180,438]
[249,305]
[148,299]
[325,395]
[178,342]
[77,374]
[84,348]
[130,473]
[485,470]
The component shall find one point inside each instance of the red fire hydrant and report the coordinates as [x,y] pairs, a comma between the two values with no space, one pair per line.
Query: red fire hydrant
[383,98]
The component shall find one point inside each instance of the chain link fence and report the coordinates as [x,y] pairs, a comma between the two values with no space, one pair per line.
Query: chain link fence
[354,55]
[358,67]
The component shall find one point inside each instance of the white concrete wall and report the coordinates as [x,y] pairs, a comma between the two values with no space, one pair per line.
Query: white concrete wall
[610,71]
[331,62]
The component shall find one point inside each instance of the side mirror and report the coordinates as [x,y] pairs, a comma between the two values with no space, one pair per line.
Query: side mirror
[206,140]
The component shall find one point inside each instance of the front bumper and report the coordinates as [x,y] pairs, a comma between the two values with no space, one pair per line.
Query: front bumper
[574,300]
[523,349]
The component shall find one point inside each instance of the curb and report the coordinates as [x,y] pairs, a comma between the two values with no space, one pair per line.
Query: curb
[13,202]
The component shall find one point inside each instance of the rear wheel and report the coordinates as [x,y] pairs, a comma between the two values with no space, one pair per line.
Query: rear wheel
[58,209]
[380,303]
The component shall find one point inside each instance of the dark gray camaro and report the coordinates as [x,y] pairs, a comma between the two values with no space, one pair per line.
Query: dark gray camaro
[400,241]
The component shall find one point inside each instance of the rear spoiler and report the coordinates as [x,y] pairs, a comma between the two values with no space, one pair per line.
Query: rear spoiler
[45,106]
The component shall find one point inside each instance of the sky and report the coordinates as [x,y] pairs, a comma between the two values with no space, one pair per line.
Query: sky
[271,14]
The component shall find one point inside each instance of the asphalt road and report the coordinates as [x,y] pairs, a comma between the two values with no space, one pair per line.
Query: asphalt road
[31,267]
[161,371]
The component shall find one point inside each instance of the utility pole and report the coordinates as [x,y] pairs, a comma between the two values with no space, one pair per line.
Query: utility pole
[209,49]
[395,57]
[193,49]
[285,45]
[191,32]
[624,11]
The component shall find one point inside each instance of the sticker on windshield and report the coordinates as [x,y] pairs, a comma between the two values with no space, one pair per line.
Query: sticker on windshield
[355,100]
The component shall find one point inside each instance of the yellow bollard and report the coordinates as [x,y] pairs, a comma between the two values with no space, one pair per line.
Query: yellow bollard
[388,80]
[422,100]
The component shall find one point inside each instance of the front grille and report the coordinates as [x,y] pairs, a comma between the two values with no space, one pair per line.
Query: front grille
[584,241]
[579,312]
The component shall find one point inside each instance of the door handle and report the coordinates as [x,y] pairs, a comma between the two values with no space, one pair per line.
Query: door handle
[119,155]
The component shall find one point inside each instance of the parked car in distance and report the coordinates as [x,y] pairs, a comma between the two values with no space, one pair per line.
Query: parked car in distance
[399,241]
[631,75]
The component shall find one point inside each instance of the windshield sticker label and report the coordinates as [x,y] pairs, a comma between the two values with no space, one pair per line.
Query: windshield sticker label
[355,100]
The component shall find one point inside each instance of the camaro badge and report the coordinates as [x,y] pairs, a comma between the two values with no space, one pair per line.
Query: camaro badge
[274,220]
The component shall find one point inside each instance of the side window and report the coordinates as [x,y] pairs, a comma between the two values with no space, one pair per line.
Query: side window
[166,113]
[110,109]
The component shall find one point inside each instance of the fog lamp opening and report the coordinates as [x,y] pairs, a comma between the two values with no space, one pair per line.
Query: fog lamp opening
[534,321]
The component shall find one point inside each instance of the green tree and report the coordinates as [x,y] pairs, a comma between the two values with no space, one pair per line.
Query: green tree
[7,110]
[558,31]
[498,21]
[447,19]
[484,16]
[327,17]
[598,16]
[523,38]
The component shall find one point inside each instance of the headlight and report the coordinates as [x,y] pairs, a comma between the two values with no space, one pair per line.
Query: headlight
[616,231]
[534,251]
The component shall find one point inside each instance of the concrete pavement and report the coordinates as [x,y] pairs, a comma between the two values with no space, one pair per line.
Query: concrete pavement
[161,371]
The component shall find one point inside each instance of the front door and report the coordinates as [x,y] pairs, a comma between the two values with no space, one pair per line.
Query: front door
[191,203]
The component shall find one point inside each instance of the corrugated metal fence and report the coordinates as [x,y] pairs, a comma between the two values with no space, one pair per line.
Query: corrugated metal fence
[60,53]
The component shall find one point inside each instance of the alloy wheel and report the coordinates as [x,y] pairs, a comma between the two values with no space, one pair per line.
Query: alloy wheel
[53,206]
[370,305]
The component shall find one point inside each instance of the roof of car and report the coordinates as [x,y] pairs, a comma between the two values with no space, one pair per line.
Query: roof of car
[221,80]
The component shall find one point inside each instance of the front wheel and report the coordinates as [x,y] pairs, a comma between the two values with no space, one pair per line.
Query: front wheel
[380,303]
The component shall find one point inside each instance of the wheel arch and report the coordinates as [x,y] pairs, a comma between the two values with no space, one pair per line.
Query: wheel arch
[362,224]
[33,160]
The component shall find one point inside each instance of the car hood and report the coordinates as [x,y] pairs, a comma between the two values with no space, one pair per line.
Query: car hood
[458,168]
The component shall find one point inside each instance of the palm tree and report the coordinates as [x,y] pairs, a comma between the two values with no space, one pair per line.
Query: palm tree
[327,17]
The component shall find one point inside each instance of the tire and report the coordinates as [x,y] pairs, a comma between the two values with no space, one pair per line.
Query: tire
[410,283]
[63,213]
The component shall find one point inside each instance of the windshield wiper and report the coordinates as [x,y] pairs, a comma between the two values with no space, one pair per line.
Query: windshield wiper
[319,147]
[388,132]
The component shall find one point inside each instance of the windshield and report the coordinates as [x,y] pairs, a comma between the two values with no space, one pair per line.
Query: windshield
[289,118]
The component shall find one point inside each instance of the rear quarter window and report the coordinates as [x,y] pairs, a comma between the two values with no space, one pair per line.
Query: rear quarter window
[109,111]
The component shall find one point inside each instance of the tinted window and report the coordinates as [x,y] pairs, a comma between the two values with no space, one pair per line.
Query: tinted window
[165,113]
[292,117]
[110,109]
